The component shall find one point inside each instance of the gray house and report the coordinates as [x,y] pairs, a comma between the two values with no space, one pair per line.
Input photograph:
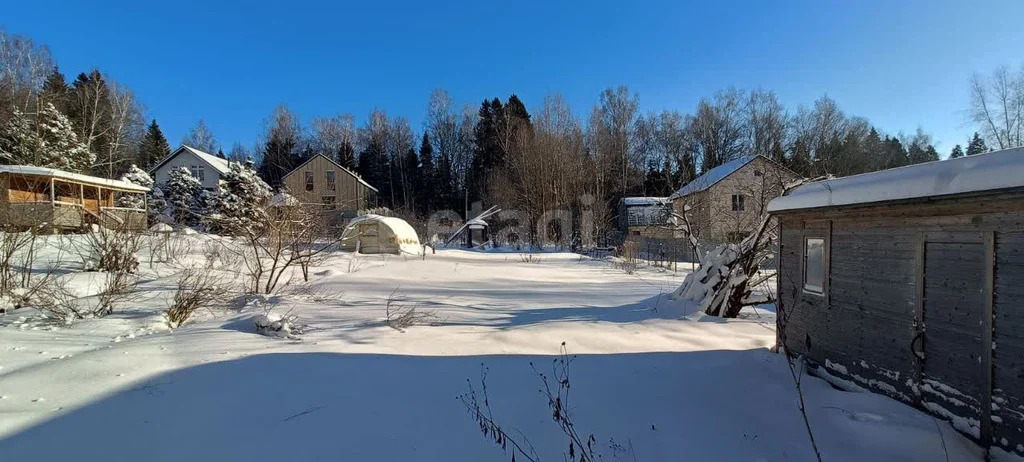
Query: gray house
[910,282]
[205,167]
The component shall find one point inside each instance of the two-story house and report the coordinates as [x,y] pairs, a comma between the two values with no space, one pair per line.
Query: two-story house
[726,203]
[321,180]
[205,167]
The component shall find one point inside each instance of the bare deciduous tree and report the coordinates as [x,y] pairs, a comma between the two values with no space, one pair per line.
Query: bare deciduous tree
[997,106]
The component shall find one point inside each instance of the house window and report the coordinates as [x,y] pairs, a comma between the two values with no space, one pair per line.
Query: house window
[758,173]
[197,172]
[737,202]
[330,180]
[814,265]
[309,181]
[328,202]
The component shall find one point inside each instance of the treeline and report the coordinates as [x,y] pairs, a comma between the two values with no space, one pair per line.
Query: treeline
[496,152]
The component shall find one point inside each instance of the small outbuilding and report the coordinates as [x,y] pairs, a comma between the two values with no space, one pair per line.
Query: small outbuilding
[34,196]
[476,233]
[909,282]
[379,234]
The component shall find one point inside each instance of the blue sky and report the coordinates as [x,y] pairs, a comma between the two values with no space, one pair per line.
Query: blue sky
[901,64]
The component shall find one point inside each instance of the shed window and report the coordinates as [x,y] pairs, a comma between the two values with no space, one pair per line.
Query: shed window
[737,202]
[198,172]
[329,176]
[814,265]
[328,202]
[758,173]
[309,181]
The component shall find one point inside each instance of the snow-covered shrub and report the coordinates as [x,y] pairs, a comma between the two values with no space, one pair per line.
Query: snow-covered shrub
[136,176]
[276,325]
[241,196]
[158,209]
[186,199]
[197,287]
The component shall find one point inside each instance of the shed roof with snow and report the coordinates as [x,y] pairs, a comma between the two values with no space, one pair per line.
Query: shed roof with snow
[31,170]
[978,173]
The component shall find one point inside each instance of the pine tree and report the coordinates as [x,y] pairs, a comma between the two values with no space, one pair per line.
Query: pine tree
[957,152]
[185,197]
[153,147]
[241,195]
[977,145]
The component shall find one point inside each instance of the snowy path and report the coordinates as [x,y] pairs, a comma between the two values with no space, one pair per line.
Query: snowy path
[122,388]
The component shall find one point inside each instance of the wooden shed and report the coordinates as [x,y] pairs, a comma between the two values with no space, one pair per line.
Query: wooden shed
[910,282]
[32,196]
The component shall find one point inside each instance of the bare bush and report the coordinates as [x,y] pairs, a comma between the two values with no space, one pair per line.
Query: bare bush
[196,288]
[53,297]
[530,258]
[117,287]
[556,387]
[400,316]
[629,258]
[281,238]
[15,245]
[112,250]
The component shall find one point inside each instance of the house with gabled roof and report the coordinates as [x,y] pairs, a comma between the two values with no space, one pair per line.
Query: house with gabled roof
[205,167]
[320,180]
[725,203]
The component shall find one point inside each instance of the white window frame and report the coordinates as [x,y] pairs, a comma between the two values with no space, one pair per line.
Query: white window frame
[813,289]
[331,179]
[198,172]
[738,203]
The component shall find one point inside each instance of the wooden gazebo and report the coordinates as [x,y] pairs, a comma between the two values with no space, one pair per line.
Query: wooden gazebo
[37,196]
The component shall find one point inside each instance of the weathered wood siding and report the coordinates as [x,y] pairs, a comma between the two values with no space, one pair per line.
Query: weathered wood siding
[1008,336]
[893,268]
[349,193]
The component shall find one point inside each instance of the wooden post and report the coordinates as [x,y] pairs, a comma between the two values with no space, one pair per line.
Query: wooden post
[986,339]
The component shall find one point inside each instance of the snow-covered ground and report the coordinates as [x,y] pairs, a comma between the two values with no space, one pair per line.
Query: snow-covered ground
[125,387]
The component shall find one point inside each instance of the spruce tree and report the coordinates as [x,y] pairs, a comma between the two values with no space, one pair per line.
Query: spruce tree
[957,152]
[185,197]
[279,157]
[427,176]
[153,147]
[411,166]
[55,90]
[241,195]
[977,145]
[136,176]
[49,142]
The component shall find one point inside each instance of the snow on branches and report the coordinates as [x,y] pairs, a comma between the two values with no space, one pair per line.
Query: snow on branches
[240,197]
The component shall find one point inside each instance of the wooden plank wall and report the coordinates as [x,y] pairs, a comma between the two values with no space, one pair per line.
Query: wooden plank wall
[861,330]
[349,193]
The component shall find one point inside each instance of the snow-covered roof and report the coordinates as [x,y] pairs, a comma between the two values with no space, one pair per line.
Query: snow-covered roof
[632,201]
[981,172]
[350,172]
[476,222]
[405,235]
[710,177]
[77,177]
[220,165]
